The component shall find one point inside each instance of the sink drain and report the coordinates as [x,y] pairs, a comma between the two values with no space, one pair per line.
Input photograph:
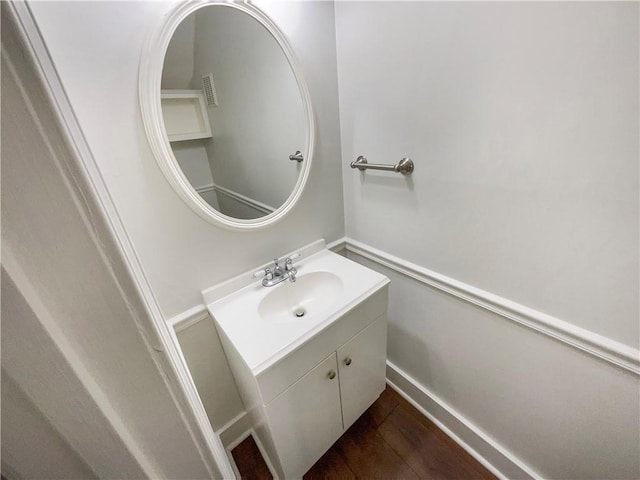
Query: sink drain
[299,312]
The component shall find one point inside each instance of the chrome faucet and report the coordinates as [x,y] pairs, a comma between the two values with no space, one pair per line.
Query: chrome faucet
[278,273]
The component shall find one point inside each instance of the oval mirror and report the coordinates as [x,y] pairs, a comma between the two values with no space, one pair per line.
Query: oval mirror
[227,113]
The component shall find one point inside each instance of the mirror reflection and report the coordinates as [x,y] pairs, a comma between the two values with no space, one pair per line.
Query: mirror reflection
[233,112]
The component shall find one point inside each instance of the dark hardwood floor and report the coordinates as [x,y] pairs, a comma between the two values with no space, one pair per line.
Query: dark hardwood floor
[390,440]
[249,460]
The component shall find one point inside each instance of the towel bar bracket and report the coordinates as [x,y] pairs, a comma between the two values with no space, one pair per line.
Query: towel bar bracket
[297,156]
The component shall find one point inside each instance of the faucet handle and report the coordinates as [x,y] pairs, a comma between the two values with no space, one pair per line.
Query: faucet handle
[289,261]
[264,273]
[293,257]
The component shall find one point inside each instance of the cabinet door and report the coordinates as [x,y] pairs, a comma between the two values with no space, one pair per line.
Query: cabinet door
[306,418]
[362,367]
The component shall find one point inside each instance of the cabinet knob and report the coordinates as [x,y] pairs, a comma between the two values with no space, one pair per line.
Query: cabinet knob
[347,361]
[331,375]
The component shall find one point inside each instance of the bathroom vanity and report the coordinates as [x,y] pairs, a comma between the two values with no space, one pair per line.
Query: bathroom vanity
[308,356]
[307,346]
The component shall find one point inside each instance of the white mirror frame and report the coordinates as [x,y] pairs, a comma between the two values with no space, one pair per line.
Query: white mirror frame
[151,66]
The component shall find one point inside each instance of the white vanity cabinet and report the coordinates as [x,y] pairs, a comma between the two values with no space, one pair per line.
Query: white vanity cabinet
[304,379]
[302,404]
[308,417]
[361,366]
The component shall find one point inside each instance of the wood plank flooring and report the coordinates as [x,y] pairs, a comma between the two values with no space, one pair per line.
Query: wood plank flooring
[249,460]
[390,440]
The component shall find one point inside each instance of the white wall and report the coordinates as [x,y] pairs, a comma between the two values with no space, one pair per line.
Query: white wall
[96,48]
[215,385]
[522,120]
[249,151]
[77,342]
[192,158]
[25,430]
[97,59]
[177,73]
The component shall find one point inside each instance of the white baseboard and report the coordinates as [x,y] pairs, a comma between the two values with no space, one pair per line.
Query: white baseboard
[189,317]
[233,445]
[234,433]
[478,444]
[243,199]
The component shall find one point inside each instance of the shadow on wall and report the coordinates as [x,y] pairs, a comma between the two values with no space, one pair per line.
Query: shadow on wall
[206,360]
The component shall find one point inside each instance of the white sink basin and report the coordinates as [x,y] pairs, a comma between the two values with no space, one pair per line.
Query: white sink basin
[312,294]
[267,323]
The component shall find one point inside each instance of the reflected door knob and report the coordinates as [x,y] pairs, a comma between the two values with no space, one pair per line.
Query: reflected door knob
[331,375]
[347,361]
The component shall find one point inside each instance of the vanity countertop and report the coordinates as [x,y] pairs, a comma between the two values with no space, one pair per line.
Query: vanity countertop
[262,322]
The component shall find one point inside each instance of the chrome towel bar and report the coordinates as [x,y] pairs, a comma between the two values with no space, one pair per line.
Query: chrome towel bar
[404,166]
